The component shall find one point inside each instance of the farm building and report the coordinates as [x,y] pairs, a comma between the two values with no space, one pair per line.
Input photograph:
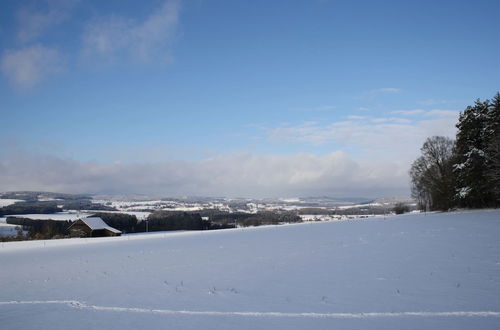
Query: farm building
[92,227]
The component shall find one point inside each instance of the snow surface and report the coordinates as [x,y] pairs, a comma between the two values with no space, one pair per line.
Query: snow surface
[138,214]
[96,223]
[334,217]
[59,216]
[433,271]
[6,202]
[7,229]
[158,205]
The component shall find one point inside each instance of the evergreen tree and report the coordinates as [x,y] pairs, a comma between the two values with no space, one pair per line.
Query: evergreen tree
[493,148]
[473,189]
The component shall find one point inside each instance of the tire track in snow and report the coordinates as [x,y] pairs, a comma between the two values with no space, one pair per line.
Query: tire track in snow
[84,306]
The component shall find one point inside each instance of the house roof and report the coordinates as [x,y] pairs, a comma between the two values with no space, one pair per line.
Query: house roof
[96,223]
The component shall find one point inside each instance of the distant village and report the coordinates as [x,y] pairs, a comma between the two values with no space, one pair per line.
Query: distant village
[43,215]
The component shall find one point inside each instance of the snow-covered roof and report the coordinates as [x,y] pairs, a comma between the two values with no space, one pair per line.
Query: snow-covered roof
[96,223]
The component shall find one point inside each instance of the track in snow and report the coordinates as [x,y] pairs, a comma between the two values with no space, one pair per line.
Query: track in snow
[82,305]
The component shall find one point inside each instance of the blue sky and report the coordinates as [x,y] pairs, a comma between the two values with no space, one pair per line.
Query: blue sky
[235,98]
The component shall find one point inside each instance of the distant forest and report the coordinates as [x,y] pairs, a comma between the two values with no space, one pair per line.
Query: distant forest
[49,207]
[33,196]
[464,172]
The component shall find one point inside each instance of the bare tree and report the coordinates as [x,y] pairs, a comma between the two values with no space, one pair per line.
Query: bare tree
[432,174]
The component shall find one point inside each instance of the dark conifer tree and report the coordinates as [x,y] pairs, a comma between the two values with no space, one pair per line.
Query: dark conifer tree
[473,189]
[493,148]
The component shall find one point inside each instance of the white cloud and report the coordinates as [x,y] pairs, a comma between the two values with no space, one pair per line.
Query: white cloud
[366,134]
[390,120]
[33,22]
[148,40]
[409,112]
[385,90]
[320,108]
[443,113]
[434,102]
[428,113]
[28,66]
[390,138]
[355,117]
[242,174]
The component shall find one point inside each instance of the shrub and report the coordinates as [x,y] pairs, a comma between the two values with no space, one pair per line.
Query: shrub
[401,208]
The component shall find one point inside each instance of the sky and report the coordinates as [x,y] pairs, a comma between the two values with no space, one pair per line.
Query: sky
[235,98]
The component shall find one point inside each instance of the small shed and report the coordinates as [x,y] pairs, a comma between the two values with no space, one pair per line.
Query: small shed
[92,227]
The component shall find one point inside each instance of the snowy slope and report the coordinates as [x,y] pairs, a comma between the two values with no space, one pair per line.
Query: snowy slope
[439,271]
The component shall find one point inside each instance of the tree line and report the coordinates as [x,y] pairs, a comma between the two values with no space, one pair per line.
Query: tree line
[49,207]
[39,229]
[30,208]
[464,172]
[156,221]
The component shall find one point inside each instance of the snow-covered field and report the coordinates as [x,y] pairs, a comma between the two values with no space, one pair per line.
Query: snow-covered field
[324,217]
[59,216]
[434,271]
[6,202]
[6,229]
[138,214]
[122,205]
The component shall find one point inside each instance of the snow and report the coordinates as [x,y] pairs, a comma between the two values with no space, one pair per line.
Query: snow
[291,200]
[7,229]
[346,207]
[475,151]
[463,192]
[157,205]
[48,199]
[324,217]
[140,215]
[416,271]
[59,216]
[96,223]
[75,215]
[6,202]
